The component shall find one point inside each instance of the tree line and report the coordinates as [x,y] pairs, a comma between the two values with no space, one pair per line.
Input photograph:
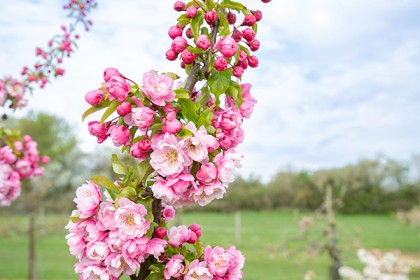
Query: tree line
[380,185]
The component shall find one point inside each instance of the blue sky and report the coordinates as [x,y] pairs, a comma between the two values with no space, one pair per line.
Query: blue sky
[338,80]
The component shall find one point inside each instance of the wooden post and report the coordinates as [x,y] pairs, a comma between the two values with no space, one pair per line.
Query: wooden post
[237,227]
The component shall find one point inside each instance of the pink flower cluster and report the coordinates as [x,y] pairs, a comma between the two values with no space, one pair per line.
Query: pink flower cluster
[217,263]
[107,240]
[191,164]
[12,90]
[231,49]
[18,161]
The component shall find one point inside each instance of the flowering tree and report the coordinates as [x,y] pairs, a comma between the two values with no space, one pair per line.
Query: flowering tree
[183,132]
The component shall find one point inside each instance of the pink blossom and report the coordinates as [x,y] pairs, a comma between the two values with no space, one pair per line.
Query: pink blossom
[140,150]
[228,127]
[160,232]
[209,141]
[7,155]
[191,11]
[254,45]
[198,271]
[175,31]
[196,229]
[10,186]
[236,263]
[179,6]
[118,88]
[220,64]
[142,117]
[124,108]
[97,251]
[203,194]
[130,219]
[248,34]
[116,265]
[226,163]
[120,135]
[231,18]
[106,216]
[179,235]
[135,249]
[100,131]
[167,213]
[238,71]
[179,44]
[88,197]
[174,267]
[228,47]
[211,17]
[203,42]
[111,72]
[253,61]
[158,88]
[194,148]
[218,261]
[95,272]
[171,55]
[257,14]
[187,56]
[249,20]
[173,189]
[24,167]
[77,244]
[248,101]
[167,158]
[171,125]
[207,173]
[93,97]
[156,246]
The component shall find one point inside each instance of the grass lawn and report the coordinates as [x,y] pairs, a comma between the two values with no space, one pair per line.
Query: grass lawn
[262,241]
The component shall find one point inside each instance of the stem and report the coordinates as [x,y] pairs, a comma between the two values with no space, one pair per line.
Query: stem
[31,233]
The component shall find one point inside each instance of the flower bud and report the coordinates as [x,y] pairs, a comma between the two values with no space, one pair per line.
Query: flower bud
[236,35]
[118,88]
[249,20]
[179,44]
[189,33]
[119,134]
[253,61]
[171,126]
[179,6]
[196,229]
[192,238]
[248,34]
[228,47]
[93,97]
[231,18]
[160,232]
[265,1]
[171,55]
[123,109]
[211,17]
[242,56]
[45,159]
[110,72]
[175,31]
[257,14]
[140,150]
[100,131]
[187,56]
[238,71]
[254,45]
[203,42]
[220,63]
[191,11]
[207,173]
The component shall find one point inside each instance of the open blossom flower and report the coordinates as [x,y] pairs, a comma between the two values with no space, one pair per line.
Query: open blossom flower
[120,135]
[142,117]
[198,271]
[87,199]
[10,186]
[97,251]
[226,163]
[156,246]
[135,249]
[118,88]
[174,189]
[218,261]
[158,88]
[248,101]
[167,157]
[116,264]
[95,272]
[203,194]
[130,219]
[179,235]
[174,267]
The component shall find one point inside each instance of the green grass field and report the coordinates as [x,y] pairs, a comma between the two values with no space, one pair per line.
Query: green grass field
[262,241]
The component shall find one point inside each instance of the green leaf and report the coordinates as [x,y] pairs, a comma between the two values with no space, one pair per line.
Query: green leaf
[219,82]
[101,105]
[235,91]
[154,276]
[188,109]
[210,4]
[143,169]
[118,166]
[183,20]
[199,248]
[232,5]
[107,183]
[182,93]
[196,23]
[223,25]
[111,109]
[171,75]
[205,118]
[204,97]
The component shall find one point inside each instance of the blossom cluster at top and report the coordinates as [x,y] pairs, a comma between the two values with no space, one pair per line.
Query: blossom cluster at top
[211,34]
[19,160]
[111,239]
[12,90]
[189,146]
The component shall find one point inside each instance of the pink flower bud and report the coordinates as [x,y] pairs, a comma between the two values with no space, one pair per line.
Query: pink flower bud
[207,173]
[265,1]
[59,71]
[254,45]
[175,31]
[242,56]
[203,42]
[211,17]
[257,14]
[98,130]
[179,44]
[141,149]
[187,56]
[249,20]
[248,34]
[191,11]
[253,61]
[189,33]
[119,134]
[171,55]
[171,126]
[38,51]
[231,18]
[118,88]
[45,159]
[228,47]
[192,237]
[123,109]
[168,213]
[93,97]
[196,229]
[238,71]
[111,72]
[179,6]
[236,35]
[220,64]
[160,232]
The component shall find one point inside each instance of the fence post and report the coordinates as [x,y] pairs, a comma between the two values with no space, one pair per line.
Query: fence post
[237,227]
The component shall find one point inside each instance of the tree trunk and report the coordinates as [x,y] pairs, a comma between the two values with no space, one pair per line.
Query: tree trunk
[31,233]
[332,246]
